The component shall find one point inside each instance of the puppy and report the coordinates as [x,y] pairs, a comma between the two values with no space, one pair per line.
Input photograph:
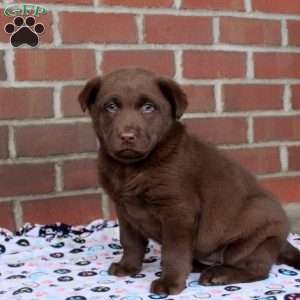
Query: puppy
[182,192]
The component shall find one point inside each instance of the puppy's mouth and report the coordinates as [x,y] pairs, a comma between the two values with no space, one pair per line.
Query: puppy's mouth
[130,155]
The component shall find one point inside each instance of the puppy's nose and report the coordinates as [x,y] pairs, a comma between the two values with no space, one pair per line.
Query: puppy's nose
[128,137]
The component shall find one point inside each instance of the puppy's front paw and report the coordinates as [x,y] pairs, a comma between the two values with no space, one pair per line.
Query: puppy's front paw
[161,286]
[120,270]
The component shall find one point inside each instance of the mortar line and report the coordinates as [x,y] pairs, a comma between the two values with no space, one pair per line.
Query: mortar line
[284,161]
[17,213]
[177,4]
[91,46]
[250,131]
[287,94]
[219,105]
[200,115]
[59,178]
[139,19]
[52,84]
[279,175]
[57,102]
[38,197]
[9,59]
[105,206]
[250,65]
[49,121]
[11,142]
[48,159]
[216,30]
[178,65]
[284,34]
[57,41]
[248,5]
[98,61]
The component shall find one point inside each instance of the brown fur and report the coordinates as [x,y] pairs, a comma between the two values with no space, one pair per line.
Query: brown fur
[182,192]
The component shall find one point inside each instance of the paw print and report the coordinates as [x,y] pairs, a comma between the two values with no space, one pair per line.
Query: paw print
[24,31]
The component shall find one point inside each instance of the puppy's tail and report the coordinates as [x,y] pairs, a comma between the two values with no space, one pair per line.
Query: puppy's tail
[289,255]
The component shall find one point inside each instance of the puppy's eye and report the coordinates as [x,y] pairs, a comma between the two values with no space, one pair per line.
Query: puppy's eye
[148,107]
[111,107]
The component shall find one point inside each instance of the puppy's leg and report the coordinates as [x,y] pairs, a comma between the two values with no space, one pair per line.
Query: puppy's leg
[198,267]
[176,255]
[134,245]
[254,267]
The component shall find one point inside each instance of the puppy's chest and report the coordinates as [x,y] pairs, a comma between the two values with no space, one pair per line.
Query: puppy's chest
[142,215]
[134,197]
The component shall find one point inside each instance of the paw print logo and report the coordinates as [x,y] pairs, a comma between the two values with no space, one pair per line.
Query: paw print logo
[24,31]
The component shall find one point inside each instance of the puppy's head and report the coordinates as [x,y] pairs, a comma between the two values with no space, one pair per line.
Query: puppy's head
[132,110]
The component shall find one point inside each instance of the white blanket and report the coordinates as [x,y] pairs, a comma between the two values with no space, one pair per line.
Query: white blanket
[61,262]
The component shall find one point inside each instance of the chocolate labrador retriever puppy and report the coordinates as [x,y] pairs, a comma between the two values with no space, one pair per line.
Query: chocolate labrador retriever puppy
[169,186]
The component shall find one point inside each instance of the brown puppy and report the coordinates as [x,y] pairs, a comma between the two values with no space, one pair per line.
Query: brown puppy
[169,186]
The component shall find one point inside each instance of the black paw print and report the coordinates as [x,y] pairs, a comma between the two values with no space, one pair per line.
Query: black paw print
[24,32]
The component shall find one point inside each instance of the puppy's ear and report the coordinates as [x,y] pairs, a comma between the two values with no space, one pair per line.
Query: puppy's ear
[174,94]
[88,95]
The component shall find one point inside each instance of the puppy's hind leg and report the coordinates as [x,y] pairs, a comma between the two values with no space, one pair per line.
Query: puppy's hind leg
[253,267]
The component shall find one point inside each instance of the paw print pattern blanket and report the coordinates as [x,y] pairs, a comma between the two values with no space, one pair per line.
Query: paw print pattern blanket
[63,262]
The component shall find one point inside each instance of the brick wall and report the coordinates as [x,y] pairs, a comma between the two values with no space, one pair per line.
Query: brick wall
[238,61]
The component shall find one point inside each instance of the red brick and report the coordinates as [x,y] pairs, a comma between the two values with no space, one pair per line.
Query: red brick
[294,32]
[219,130]
[295,96]
[200,98]
[55,139]
[294,158]
[214,4]
[159,61]
[278,6]
[277,65]
[287,189]
[213,64]
[79,27]
[54,64]
[86,2]
[4,142]
[70,210]
[69,101]
[25,103]
[46,36]
[139,3]
[26,179]
[6,216]
[277,128]
[250,31]
[2,66]
[4,37]
[257,160]
[80,174]
[247,97]
[177,29]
